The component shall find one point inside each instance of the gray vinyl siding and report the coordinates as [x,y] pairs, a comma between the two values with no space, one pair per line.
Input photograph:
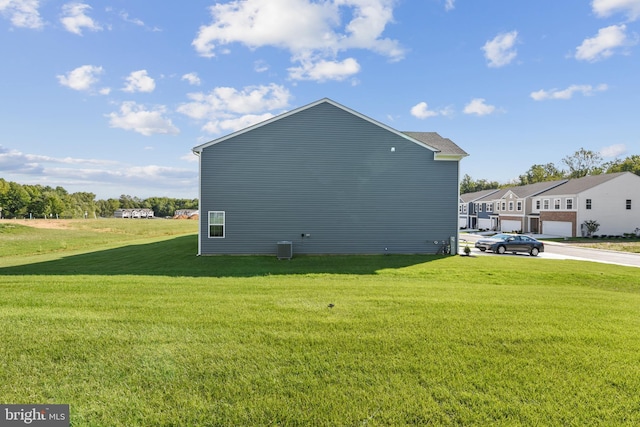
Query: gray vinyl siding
[332,175]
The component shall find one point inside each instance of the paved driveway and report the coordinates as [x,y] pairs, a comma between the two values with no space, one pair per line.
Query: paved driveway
[559,250]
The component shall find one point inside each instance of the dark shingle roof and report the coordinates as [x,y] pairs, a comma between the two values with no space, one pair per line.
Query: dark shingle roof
[578,185]
[432,139]
[476,195]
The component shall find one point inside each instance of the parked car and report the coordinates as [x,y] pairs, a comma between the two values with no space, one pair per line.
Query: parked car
[503,243]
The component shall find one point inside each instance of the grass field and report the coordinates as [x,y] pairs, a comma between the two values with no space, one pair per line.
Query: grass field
[130,328]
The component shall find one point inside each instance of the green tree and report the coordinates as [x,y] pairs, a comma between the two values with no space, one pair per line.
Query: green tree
[467,185]
[630,164]
[591,226]
[541,173]
[16,201]
[106,208]
[584,162]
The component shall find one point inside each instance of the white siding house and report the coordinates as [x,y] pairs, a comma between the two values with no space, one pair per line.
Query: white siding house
[613,200]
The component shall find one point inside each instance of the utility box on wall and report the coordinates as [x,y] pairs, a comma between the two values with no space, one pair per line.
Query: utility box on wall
[285,249]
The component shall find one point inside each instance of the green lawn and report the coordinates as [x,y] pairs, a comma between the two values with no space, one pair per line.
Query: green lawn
[138,331]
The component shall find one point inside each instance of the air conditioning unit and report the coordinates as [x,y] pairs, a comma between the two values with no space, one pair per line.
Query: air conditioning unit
[285,249]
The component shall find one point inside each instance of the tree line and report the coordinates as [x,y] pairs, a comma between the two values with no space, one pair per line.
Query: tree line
[582,163]
[38,201]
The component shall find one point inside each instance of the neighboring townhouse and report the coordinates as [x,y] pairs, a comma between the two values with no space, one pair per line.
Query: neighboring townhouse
[472,212]
[325,179]
[613,200]
[510,209]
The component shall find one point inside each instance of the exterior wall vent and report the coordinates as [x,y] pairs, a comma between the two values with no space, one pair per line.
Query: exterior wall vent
[285,249]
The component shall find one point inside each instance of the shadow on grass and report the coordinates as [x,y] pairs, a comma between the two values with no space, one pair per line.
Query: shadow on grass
[177,258]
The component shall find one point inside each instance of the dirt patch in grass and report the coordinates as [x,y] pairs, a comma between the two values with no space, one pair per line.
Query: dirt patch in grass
[54,224]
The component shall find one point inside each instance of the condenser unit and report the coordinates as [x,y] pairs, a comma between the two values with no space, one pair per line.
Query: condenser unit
[285,249]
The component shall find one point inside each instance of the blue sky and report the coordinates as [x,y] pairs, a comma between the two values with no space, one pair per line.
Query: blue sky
[110,96]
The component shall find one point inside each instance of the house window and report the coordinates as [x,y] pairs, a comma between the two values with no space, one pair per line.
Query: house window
[538,204]
[569,204]
[628,204]
[588,206]
[504,206]
[519,205]
[545,203]
[556,204]
[489,207]
[482,205]
[216,224]
[510,206]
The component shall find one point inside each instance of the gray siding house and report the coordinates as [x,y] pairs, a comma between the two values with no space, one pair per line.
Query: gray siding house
[330,181]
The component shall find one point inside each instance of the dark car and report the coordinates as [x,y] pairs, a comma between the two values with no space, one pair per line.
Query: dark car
[502,243]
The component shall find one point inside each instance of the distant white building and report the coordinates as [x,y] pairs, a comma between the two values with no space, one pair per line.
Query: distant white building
[133,213]
[185,213]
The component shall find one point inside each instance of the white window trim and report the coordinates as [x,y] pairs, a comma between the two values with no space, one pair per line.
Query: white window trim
[519,206]
[567,202]
[557,204]
[224,225]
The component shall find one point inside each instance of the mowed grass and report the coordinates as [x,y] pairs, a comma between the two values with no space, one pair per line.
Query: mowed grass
[145,333]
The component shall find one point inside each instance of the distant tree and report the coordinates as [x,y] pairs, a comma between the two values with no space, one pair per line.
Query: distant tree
[584,162]
[106,208]
[630,164]
[129,202]
[16,201]
[541,173]
[468,185]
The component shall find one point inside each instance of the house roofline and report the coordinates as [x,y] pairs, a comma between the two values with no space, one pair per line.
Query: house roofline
[437,153]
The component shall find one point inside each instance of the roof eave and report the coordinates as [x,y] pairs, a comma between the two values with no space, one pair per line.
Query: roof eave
[449,157]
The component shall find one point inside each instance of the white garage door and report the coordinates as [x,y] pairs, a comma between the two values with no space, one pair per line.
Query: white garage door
[484,223]
[556,228]
[508,226]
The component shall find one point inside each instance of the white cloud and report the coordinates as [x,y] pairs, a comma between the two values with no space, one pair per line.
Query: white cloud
[614,150]
[604,8]
[22,13]
[234,124]
[139,81]
[77,174]
[500,50]
[82,78]
[603,45]
[227,105]
[307,29]
[192,78]
[567,93]
[449,4]
[323,70]
[138,119]
[260,66]
[74,18]
[189,157]
[17,162]
[228,109]
[478,107]
[135,21]
[422,111]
